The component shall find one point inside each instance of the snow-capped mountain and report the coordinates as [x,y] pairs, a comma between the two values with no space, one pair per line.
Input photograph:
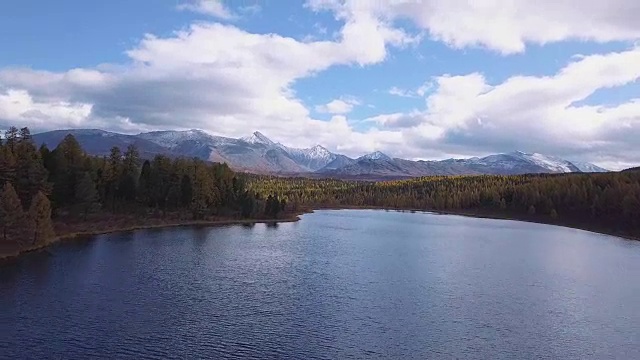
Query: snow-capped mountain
[251,153]
[380,166]
[172,139]
[258,138]
[548,162]
[376,155]
[519,162]
[259,154]
[314,158]
[587,167]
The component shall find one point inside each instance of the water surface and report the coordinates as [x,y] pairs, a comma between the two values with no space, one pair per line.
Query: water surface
[338,284]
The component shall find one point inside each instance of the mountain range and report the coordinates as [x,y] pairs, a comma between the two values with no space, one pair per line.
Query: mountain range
[259,154]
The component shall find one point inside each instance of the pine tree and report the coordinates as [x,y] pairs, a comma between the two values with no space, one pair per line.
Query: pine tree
[11,138]
[160,181]
[144,184]
[129,175]
[205,193]
[186,191]
[86,194]
[112,174]
[66,167]
[40,219]
[31,176]
[7,164]
[12,217]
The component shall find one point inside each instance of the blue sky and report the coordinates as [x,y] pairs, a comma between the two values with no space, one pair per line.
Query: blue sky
[416,79]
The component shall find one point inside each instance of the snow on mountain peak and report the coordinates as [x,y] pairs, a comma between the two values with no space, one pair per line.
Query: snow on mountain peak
[376,155]
[550,163]
[588,167]
[171,138]
[258,138]
[319,151]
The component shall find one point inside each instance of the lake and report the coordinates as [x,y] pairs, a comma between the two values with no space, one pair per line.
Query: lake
[346,284]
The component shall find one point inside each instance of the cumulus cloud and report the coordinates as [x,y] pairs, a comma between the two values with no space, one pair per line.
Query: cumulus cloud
[504,26]
[228,81]
[338,106]
[467,115]
[210,75]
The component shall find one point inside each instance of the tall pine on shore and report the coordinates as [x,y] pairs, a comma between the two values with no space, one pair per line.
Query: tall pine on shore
[40,220]
[12,218]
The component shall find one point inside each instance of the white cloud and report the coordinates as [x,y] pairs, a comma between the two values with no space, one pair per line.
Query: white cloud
[231,82]
[215,8]
[343,105]
[505,26]
[211,76]
[419,92]
[466,115]
[21,108]
[396,91]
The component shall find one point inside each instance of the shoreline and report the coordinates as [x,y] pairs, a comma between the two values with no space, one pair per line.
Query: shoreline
[73,236]
[493,216]
[294,217]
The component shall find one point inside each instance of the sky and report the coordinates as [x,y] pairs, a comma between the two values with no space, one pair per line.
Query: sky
[417,79]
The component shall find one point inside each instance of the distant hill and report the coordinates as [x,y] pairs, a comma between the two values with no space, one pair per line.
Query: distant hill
[258,154]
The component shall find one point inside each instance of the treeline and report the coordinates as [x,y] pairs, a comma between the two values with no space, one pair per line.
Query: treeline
[606,201]
[41,186]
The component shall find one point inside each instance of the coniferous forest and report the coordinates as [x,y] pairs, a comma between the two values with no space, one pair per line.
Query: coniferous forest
[605,202]
[48,193]
[52,192]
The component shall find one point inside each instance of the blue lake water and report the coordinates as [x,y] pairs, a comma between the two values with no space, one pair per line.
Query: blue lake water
[345,284]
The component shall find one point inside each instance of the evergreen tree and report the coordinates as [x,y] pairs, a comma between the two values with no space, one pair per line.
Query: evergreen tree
[86,194]
[186,191]
[66,168]
[112,175]
[205,193]
[7,164]
[273,206]
[144,184]
[129,176]
[31,176]
[12,217]
[11,138]
[160,181]
[25,134]
[40,219]
[247,205]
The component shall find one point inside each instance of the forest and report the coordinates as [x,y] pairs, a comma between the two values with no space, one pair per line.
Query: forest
[605,202]
[52,192]
[49,193]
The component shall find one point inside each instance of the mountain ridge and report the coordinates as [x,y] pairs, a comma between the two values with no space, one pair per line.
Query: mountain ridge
[257,153]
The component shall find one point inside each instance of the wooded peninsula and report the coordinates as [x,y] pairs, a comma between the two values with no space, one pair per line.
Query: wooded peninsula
[49,194]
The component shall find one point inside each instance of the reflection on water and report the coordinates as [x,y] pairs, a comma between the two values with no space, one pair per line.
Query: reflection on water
[338,284]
